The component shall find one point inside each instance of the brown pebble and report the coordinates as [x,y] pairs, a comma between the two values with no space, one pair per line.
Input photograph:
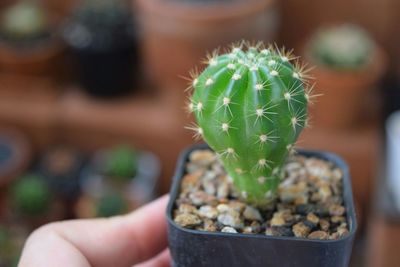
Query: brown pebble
[187,208]
[202,157]
[199,198]
[325,192]
[313,218]
[338,219]
[252,214]
[336,210]
[324,224]
[318,235]
[187,220]
[209,226]
[277,219]
[342,232]
[191,181]
[300,230]
[238,206]
[278,231]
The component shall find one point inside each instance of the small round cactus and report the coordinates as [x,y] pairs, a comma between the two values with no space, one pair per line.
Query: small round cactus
[345,46]
[110,205]
[251,105]
[121,162]
[24,20]
[31,196]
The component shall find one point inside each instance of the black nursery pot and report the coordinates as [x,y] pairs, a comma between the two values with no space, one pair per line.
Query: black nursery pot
[200,248]
[107,72]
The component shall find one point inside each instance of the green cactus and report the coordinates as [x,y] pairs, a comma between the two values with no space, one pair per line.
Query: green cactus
[31,196]
[110,205]
[342,47]
[24,21]
[121,163]
[251,105]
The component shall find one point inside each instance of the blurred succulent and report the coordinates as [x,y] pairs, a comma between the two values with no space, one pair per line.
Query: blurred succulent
[31,196]
[251,105]
[121,162]
[341,47]
[23,21]
[110,205]
[99,25]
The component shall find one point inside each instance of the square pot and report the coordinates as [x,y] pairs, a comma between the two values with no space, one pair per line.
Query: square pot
[200,248]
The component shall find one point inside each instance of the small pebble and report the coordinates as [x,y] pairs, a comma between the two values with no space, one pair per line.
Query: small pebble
[338,219]
[187,220]
[325,192]
[228,229]
[252,214]
[223,190]
[231,218]
[223,208]
[324,224]
[318,235]
[278,231]
[208,212]
[238,206]
[336,210]
[209,226]
[301,230]
[313,218]
[187,208]
[277,219]
[203,157]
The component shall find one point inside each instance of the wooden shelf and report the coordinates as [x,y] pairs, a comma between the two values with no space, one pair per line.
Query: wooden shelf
[154,122]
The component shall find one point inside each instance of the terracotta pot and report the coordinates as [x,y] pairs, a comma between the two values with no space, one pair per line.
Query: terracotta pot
[177,34]
[42,57]
[343,93]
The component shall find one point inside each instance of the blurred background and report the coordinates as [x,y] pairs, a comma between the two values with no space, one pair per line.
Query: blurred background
[92,98]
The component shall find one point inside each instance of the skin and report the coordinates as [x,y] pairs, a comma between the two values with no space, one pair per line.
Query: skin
[136,239]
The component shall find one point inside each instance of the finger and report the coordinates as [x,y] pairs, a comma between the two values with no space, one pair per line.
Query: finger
[161,260]
[118,241]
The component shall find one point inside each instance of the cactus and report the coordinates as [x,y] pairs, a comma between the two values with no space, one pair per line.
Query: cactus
[24,21]
[110,205]
[342,47]
[251,105]
[31,196]
[121,162]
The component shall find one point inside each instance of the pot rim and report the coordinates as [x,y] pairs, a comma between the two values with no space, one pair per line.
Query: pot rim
[181,10]
[337,160]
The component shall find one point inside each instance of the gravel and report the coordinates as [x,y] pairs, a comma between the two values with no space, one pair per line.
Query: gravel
[309,203]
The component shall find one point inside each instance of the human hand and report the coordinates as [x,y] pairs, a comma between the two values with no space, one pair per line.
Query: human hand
[137,238]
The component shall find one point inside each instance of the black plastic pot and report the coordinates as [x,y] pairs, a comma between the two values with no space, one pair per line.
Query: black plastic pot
[199,248]
[106,73]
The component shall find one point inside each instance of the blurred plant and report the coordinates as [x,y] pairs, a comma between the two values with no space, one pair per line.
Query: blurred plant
[251,105]
[110,205]
[121,162]
[24,21]
[99,25]
[31,196]
[341,47]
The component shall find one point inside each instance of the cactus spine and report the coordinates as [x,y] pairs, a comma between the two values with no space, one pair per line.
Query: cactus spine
[251,105]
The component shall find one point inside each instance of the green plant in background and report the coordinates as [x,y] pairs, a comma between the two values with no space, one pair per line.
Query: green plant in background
[31,196]
[251,105]
[110,205]
[121,162]
[342,47]
[25,20]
